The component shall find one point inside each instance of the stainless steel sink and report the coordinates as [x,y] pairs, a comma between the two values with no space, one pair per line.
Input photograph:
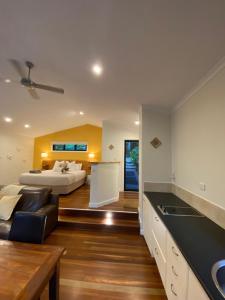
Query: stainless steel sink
[218,275]
[184,211]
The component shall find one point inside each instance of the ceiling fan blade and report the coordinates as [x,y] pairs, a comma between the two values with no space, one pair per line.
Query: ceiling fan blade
[33,93]
[47,88]
[18,67]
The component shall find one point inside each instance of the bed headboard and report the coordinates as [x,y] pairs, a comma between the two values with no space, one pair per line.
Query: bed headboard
[86,165]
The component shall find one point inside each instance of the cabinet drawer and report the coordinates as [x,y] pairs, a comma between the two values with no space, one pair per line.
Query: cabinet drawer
[173,292]
[176,282]
[175,257]
[160,232]
[176,272]
[160,259]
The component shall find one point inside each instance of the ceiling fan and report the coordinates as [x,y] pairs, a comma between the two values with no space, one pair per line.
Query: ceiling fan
[27,82]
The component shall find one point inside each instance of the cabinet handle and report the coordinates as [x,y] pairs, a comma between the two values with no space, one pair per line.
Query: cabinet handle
[174,251]
[172,290]
[157,219]
[174,272]
[156,251]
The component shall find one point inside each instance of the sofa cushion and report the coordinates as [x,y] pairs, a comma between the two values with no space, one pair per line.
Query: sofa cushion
[33,198]
[5,227]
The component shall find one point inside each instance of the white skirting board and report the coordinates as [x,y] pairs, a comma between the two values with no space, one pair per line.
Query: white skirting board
[105,202]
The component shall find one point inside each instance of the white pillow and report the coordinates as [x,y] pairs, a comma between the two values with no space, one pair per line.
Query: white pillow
[75,167]
[58,166]
[7,205]
[70,164]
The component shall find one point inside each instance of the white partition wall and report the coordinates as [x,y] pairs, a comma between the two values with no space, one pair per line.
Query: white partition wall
[154,163]
[114,133]
[104,185]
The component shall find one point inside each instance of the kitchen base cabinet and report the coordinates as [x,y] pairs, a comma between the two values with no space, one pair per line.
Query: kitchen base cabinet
[178,279]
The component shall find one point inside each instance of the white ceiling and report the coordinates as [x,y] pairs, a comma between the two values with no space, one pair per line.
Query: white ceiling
[153,52]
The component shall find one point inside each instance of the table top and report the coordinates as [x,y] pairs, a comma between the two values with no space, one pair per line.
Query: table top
[25,268]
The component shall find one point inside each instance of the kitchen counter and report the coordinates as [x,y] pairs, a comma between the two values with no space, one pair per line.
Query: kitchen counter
[201,241]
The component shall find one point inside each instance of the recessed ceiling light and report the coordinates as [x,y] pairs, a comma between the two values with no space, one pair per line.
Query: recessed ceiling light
[7,119]
[27,126]
[97,69]
[8,80]
[137,123]
[81,113]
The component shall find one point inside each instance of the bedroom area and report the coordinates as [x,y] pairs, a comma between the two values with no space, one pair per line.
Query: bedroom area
[85,165]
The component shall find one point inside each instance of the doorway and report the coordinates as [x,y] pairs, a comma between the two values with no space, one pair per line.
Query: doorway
[131,165]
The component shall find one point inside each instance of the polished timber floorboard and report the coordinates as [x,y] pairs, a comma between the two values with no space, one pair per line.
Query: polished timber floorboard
[79,199]
[105,265]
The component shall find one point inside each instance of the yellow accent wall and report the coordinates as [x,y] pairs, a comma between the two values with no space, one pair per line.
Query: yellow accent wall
[86,133]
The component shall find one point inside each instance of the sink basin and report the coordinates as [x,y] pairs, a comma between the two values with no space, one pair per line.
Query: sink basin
[218,275]
[186,211]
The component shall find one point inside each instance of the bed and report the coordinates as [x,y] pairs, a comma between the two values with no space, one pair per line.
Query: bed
[61,183]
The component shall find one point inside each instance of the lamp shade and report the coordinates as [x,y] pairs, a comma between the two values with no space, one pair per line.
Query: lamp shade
[91,155]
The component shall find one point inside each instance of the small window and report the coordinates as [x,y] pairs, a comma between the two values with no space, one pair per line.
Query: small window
[69,147]
[58,147]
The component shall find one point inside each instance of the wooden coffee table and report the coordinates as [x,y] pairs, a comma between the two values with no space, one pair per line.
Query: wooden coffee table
[26,269]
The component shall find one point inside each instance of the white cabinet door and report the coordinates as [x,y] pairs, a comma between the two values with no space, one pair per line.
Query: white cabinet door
[160,231]
[160,260]
[195,290]
[147,222]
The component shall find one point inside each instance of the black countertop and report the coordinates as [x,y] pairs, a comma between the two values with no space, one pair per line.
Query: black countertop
[201,241]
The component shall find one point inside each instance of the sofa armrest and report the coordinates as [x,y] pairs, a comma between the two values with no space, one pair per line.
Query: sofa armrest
[51,213]
[28,227]
[54,199]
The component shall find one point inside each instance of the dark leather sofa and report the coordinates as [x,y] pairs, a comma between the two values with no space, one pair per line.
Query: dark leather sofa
[34,217]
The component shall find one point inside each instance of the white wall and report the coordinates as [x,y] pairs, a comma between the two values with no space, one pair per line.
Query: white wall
[16,156]
[156,163]
[115,133]
[198,135]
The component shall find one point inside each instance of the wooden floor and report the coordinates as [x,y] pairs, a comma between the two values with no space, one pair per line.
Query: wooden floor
[128,201]
[105,265]
[106,258]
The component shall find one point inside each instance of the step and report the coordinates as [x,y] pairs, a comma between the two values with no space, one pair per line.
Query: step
[76,212]
[98,227]
[100,220]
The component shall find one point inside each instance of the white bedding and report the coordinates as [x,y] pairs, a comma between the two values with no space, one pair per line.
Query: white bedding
[51,178]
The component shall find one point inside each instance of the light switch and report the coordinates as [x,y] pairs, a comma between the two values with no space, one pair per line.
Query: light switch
[202,186]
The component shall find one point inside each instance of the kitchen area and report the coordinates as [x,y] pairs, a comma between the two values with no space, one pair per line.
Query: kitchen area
[181,201]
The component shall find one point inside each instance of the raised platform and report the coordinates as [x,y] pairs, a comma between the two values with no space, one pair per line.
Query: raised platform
[79,199]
